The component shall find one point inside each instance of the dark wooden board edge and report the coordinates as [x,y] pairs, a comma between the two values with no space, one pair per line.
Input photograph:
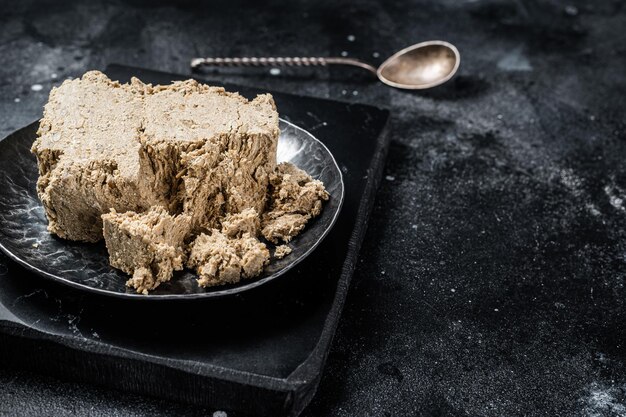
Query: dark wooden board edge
[312,367]
[23,348]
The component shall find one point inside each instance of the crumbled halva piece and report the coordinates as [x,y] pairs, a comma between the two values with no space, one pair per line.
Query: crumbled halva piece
[235,225]
[295,198]
[149,246]
[281,251]
[219,259]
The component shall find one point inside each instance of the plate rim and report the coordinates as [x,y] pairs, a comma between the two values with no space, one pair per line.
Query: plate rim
[193,296]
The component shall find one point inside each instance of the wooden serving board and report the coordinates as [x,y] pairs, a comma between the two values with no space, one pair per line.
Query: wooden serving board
[260,352]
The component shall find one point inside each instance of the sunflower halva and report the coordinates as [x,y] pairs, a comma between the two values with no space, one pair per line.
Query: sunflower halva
[165,171]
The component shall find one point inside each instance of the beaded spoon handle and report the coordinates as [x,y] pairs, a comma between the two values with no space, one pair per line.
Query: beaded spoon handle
[279,62]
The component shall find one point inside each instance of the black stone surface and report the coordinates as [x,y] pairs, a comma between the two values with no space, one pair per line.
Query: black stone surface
[491,281]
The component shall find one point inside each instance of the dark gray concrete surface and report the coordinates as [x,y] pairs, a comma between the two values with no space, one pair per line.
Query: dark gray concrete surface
[491,281]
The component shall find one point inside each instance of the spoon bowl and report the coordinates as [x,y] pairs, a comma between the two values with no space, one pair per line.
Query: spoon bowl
[420,66]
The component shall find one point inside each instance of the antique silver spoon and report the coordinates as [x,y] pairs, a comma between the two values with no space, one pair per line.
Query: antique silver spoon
[420,66]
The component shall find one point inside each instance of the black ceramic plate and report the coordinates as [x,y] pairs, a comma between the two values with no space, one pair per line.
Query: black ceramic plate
[25,239]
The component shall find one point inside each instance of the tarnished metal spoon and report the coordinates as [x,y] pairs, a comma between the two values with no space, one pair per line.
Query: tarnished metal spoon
[420,66]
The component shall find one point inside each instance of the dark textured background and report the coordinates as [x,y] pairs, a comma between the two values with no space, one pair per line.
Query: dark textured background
[491,281]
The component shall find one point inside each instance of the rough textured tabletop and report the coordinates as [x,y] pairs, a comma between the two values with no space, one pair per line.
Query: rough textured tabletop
[491,281]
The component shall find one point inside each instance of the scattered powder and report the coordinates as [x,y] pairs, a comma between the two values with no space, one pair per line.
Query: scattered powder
[571,181]
[593,209]
[36,87]
[275,71]
[515,60]
[344,53]
[351,38]
[602,401]
[615,200]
